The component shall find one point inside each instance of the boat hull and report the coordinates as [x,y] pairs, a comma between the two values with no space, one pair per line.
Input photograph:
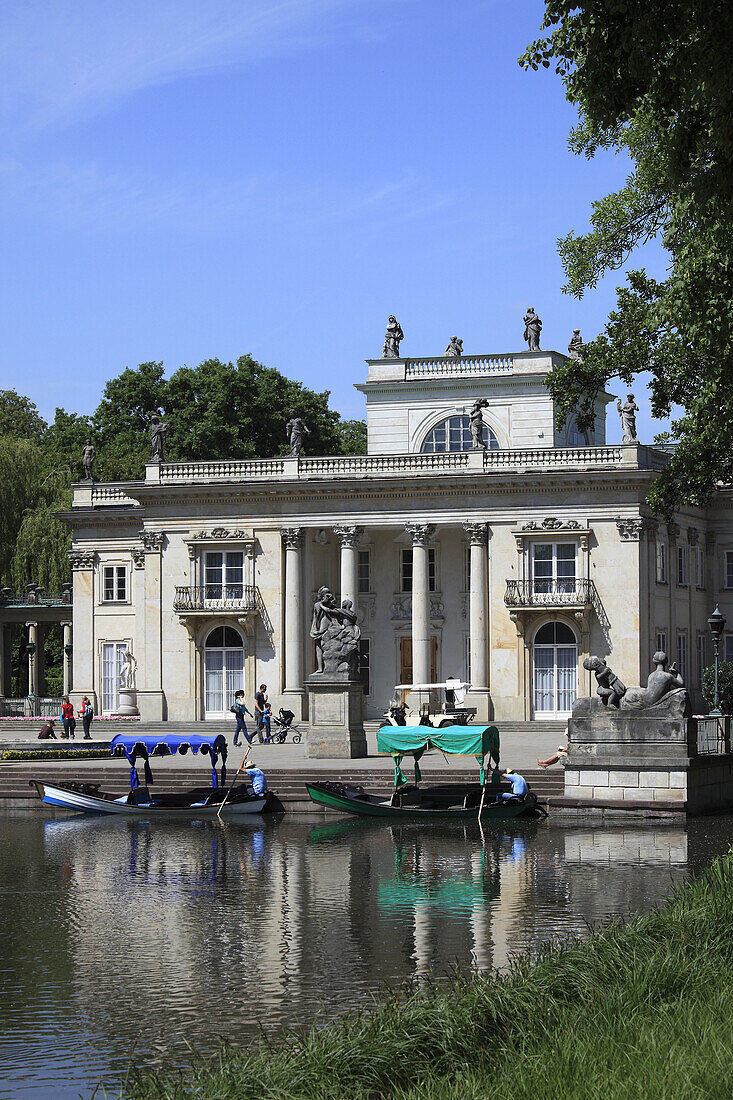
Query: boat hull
[68,797]
[361,804]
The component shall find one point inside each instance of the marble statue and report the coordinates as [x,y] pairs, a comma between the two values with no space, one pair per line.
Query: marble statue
[336,635]
[575,347]
[392,339]
[128,671]
[455,348]
[476,420]
[532,328]
[87,460]
[610,689]
[158,432]
[628,413]
[295,430]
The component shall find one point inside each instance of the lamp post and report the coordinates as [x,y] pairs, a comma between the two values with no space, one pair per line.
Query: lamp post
[716,622]
[30,648]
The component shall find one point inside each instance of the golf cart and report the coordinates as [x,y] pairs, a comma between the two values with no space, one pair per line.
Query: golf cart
[412,705]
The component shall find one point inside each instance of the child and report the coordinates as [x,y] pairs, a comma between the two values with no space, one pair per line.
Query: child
[266,720]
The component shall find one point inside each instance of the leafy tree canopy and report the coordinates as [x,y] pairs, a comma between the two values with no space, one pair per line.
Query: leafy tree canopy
[652,77]
[725,686]
[19,417]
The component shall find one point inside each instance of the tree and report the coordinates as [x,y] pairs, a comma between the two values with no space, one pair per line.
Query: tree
[19,417]
[651,77]
[353,434]
[725,686]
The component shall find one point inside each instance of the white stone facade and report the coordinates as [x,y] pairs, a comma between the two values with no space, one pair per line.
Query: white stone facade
[455,559]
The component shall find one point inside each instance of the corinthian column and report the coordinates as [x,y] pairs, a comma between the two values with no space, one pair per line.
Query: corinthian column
[421,533]
[293,543]
[347,536]
[478,604]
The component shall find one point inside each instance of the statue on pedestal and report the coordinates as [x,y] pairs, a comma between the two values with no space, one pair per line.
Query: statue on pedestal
[628,413]
[476,420]
[295,430]
[158,432]
[392,339]
[87,460]
[128,671]
[576,344]
[532,328]
[610,689]
[336,634]
[455,348]
[664,681]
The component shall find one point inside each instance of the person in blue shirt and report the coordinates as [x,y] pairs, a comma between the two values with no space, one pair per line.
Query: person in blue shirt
[518,783]
[239,710]
[256,777]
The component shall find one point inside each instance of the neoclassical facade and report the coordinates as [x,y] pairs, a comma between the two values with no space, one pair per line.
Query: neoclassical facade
[504,564]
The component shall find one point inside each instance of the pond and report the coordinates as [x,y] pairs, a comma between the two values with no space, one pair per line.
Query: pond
[118,934]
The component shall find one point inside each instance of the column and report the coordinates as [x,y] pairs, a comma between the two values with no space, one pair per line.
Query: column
[479,604]
[421,533]
[293,543]
[2,667]
[66,657]
[32,656]
[347,536]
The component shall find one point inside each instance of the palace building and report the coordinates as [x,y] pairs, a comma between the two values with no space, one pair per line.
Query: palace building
[504,564]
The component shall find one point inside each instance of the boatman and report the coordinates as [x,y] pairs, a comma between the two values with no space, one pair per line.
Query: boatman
[518,783]
[256,777]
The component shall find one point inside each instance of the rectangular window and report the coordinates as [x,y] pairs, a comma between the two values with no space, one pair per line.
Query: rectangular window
[553,567]
[364,568]
[406,570]
[661,563]
[682,563]
[115,584]
[729,569]
[662,641]
[364,664]
[113,654]
[224,574]
[701,663]
[682,655]
[699,567]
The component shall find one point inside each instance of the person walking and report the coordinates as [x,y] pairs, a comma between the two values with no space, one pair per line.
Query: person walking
[86,713]
[68,719]
[239,710]
[260,700]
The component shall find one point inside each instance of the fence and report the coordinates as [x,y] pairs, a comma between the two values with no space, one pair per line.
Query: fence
[32,706]
[713,735]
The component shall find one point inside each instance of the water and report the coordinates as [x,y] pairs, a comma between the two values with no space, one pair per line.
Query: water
[118,934]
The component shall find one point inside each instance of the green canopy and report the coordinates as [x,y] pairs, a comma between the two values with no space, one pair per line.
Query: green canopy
[399,741]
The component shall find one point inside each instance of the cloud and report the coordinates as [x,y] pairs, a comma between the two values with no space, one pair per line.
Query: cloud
[65,59]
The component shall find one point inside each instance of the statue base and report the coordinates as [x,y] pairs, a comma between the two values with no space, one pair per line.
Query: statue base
[128,703]
[335,711]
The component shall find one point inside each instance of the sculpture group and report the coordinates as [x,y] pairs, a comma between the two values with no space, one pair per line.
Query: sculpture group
[663,680]
[336,635]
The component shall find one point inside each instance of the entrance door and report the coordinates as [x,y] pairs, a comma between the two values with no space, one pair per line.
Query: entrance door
[555,671]
[406,660]
[223,670]
[113,654]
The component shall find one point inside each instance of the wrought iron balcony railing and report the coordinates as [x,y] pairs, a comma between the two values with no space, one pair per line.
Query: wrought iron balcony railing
[217,597]
[573,592]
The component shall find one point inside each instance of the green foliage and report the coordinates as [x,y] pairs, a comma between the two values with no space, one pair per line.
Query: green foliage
[651,78]
[725,686]
[19,417]
[353,435]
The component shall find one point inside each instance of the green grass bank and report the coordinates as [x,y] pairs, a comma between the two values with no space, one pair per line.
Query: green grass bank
[640,1010]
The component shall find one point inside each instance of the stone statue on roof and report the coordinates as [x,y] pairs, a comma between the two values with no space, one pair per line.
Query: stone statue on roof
[455,348]
[392,339]
[532,328]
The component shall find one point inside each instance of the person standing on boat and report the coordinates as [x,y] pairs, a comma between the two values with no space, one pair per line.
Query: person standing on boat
[67,717]
[86,713]
[260,700]
[239,710]
[518,784]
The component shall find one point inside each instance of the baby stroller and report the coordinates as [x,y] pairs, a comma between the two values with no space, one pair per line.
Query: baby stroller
[282,725]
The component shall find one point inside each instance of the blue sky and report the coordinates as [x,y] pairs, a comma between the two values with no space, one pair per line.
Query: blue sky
[183,179]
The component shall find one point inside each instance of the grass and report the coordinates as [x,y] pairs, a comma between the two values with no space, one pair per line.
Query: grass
[640,1011]
[53,754]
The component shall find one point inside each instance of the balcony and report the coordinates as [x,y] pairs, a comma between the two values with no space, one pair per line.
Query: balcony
[541,595]
[217,599]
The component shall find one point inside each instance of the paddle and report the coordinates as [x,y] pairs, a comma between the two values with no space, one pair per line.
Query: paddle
[236,777]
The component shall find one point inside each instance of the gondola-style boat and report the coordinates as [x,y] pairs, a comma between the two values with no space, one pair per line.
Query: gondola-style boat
[200,802]
[490,798]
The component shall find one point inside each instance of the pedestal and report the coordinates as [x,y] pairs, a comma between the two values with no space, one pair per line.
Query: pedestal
[335,708]
[128,703]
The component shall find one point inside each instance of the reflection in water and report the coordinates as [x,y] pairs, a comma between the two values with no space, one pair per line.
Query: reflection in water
[115,932]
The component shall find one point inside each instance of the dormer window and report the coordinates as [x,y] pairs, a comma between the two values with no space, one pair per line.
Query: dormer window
[454,434]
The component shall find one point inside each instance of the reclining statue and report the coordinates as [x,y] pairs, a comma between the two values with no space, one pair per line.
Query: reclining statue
[663,683]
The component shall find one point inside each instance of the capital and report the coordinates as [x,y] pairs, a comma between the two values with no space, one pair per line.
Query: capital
[292,537]
[152,541]
[477,533]
[82,559]
[420,533]
[347,534]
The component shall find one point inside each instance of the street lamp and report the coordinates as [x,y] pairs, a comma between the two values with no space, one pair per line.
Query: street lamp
[30,648]
[716,622]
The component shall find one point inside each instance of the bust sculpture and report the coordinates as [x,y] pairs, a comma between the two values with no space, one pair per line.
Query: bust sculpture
[628,413]
[295,430]
[532,328]
[392,339]
[336,635]
[455,348]
[87,460]
[158,432]
[576,344]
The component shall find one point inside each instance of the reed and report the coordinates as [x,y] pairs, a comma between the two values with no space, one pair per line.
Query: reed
[642,1009]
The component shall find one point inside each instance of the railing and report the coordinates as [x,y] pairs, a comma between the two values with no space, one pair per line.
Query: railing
[369,465]
[713,735]
[549,593]
[217,597]
[439,365]
[32,706]
[111,494]
[35,597]
[231,470]
[554,456]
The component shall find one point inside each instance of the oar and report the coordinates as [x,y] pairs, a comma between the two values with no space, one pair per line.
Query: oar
[236,777]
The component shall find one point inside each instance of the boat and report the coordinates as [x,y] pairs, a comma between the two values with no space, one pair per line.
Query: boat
[199,802]
[487,799]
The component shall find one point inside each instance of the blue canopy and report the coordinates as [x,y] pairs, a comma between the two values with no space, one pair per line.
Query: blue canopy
[145,745]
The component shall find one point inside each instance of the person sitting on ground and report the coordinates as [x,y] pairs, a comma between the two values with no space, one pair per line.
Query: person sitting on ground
[561,755]
[47,732]
[518,784]
[256,777]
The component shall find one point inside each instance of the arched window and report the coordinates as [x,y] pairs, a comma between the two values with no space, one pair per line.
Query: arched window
[224,637]
[573,437]
[454,434]
[555,634]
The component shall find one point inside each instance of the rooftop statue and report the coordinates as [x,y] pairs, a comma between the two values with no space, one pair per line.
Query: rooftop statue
[336,634]
[455,348]
[158,432]
[476,420]
[295,430]
[392,339]
[575,347]
[87,460]
[628,413]
[532,328]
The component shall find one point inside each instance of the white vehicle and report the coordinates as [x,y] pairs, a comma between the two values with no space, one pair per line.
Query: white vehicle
[412,705]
